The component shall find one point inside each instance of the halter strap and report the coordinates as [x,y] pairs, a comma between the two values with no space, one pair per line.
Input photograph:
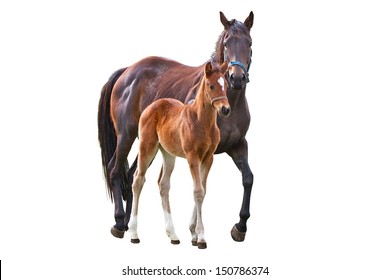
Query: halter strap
[232,63]
[216,99]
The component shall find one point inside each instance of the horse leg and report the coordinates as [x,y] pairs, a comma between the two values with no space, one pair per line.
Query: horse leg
[117,168]
[239,154]
[199,194]
[129,198]
[147,151]
[165,185]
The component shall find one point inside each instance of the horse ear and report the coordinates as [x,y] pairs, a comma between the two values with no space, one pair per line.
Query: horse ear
[249,21]
[224,67]
[224,21]
[208,69]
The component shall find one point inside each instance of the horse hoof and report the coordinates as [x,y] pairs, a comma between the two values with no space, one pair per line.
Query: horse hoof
[194,243]
[117,233]
[202,245]
[175,242]
[237,235]
[135,240]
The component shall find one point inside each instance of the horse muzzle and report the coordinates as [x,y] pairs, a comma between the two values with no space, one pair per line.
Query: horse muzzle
[238,76]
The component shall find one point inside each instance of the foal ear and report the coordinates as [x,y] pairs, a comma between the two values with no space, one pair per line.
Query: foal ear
[224,21]
[249,21]
[224,67]
[208,69]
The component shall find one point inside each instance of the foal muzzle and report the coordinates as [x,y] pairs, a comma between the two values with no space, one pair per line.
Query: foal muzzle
[223,111]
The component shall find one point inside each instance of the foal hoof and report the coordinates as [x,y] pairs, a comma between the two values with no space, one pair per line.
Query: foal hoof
[117,233]
[202,245]
[175,242]
[194,243]
[135,240]
[237,235]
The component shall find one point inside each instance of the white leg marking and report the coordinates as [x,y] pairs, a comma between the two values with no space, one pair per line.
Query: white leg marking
[133,227]
[170,229]
[193,225]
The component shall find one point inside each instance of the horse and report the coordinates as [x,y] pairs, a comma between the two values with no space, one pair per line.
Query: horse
[181,130]
[131,89]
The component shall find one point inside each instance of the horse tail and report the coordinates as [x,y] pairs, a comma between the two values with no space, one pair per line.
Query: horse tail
[106,132]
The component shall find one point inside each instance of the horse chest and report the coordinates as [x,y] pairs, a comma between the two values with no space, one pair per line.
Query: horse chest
[232,130]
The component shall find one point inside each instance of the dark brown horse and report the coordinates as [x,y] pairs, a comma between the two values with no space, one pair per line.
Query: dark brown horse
[131,89]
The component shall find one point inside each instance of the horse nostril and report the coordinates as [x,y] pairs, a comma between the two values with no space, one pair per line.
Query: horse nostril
[232,77]
[243,77]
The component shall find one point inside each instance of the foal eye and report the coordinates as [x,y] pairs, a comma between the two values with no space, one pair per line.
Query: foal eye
[211,87]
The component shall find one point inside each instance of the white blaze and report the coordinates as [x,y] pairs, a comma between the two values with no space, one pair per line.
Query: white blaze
[221,82]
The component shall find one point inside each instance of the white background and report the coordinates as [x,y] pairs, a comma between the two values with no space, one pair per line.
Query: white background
[319,139]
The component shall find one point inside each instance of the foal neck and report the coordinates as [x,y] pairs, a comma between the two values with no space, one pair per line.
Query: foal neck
[202,104]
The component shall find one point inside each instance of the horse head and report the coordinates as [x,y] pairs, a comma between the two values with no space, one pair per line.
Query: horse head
[236,49]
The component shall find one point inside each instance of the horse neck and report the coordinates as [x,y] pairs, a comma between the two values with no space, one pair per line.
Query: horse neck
[236,98]
[202,105]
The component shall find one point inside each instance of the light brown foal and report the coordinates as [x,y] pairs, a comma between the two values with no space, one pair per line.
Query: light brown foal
[182,130]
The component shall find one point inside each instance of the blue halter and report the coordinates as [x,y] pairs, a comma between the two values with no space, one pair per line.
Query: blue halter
[232,63]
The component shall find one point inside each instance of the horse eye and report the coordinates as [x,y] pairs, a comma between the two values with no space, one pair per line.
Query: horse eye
[211,87]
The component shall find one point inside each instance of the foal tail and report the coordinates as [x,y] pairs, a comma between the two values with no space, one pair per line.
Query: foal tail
[107,136]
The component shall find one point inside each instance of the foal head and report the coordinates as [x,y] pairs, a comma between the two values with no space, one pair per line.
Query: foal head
[215,88]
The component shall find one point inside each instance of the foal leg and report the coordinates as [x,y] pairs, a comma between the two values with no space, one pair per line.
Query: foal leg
[199,194]
[204,172]
[147,151]
[129,199]
[139,180]
[194,236]
[239,154]
[165,185]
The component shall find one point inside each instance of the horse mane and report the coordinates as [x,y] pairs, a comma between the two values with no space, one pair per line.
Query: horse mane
[217,57]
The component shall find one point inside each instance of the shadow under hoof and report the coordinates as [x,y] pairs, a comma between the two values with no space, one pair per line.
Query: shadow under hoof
[202,245]
[117,233]
[135,240]
[175,242]
[237,235]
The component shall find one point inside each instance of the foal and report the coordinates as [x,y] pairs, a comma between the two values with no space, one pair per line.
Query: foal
[184,130]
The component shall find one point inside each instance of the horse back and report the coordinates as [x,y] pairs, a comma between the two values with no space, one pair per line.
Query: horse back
[154,78]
